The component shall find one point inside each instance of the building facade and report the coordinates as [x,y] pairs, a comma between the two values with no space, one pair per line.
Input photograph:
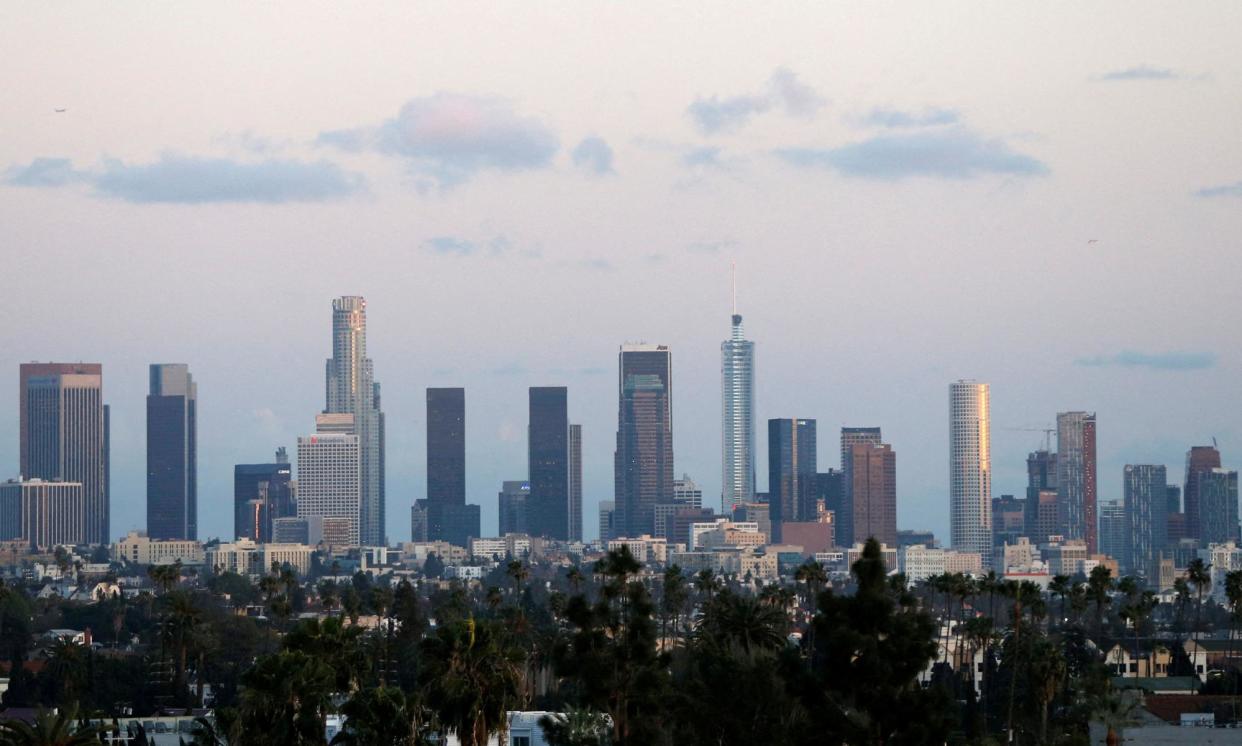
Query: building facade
[851,436]
[547,512]
[172,453]
[1146,497]
[1218,506]
[792,469]
[330,474]
[970,467]
[737,384]
[513,498]
[448,517]
[43,514]
[1199,460]
[351,389]
[1041,496]
[575,482]
[262,494]
[643,461]
[64,434]
[1076,477]
[1114,531]
[873,469]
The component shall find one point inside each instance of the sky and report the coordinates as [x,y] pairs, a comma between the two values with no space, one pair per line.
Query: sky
[1046,197]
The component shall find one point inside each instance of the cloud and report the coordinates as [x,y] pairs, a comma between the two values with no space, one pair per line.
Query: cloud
[451,137]
[603,265]
[895,118]
[944,154]
[194,180]
[1154,361]
[594,155]
[495,246]
[1224,190]
[1142,72]
[705,156]
[710,247]
[783,91]
[450,245]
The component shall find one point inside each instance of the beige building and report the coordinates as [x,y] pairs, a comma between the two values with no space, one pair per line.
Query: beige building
[139,549]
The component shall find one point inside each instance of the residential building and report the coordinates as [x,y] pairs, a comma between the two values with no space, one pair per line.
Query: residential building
[1114,531]
[1199,459]
[352,389]
[64,434]
[851,436]
[1218,506]
[970,468]
[43,514]
[330,473]
[547,511]
[1146,520]
[737,384]
[1076,477]
[643,464]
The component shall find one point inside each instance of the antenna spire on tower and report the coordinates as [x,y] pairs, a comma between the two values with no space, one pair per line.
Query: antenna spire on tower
[733,264]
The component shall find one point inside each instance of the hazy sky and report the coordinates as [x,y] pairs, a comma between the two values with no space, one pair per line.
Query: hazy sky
[909,190]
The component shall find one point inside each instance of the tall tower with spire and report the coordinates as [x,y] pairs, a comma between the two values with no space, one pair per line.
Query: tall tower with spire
[737,379]
[351,389]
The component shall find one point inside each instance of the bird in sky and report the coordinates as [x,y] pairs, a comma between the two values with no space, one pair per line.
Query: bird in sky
[1093,240]
[60,111]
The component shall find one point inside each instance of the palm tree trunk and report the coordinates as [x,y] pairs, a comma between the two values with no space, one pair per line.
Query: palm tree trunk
[1013,670]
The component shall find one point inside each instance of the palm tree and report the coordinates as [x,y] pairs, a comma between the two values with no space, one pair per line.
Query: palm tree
[1199,574]
[1060,586]
[471,677]
[706,583]
[383,716]
[1182,589]
[743,623]
[50,728]
[575,578]
[1045,672]
[165,577]
[813,574]
[1099,584]
[518,572]
[577,727]
[286,699]
[181,622]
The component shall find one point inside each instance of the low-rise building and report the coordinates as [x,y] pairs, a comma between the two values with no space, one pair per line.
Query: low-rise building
[139,549]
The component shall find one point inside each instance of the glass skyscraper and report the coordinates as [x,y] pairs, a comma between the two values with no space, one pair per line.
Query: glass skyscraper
[1076,480]
[643,462]
[172,453]
[737,383]
[351,389]
[1146,495]
[548,508]
[970,468]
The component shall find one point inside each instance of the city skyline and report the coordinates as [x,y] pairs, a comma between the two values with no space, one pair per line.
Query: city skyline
[1012,245]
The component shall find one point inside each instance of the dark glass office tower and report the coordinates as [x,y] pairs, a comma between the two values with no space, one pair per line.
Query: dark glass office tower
[643,463]
[1146,502]
[172,453]
[830,490]
[851,436]
[548,462]
[64,434]
[1041,496]
[1199,460]
[1218,506]
[791,472]
[261,494]
[447,517]
[512,499]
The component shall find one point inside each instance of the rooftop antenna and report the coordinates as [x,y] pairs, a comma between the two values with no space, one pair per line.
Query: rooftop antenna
[733,264]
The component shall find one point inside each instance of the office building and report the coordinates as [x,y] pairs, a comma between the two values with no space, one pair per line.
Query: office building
[686,495]
[607,519]
[351,389]
[306,530]
[330,474]
[1008,520]
[1199,460]
[64,434]
[172,453]
[851,436]
[970,468]
[262,494]
[737,384]
[1217,491]
[1041,496]
[643,462]
[575,482]
[514,498]
[792,467]
[43,514]
[830,491]
[1176,516]
[547,513]
[873,469]
[447,515]
[1114,530]
[1076,478]
[1146,498]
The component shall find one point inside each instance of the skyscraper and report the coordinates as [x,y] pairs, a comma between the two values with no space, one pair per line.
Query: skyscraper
[851,436]
[1146,498]
[643,463]
[44,514]
[512,500]
[1041,496]
[873,468]
[547,512]
[575,482]
[1199,460]
[970,468]
[262,494]
[64,434]
[792,468]
[1076,483]
[1218,506]
[1114,532]
[448,516]
[737,377]
[351,389]
[330,473]
[172,453]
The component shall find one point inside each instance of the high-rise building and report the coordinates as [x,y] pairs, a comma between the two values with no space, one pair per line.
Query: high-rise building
[513,500]
[830,491]
[607,520]
[172,453]
[1199,460]
[737,383]
[1041,496]
[262,495]
[43,514]
[873,469]
[351,389]
[1218,506]
[64,434]
[1146,497]
[1008,521]
[970,468]
[575,482]
[1076,480]
[792,467]
[643,463]
[330,473]
[851,436]
[1114,531]
[448,517]
[1176,516]
[547,512]
[686,495]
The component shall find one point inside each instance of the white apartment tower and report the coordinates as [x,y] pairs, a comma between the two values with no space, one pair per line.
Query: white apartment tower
[737,379]
[970,468]
[351,389]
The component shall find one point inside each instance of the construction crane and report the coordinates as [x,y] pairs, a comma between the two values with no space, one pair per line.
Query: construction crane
[1047,431]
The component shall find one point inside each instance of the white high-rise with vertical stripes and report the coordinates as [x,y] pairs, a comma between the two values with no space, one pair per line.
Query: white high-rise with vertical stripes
[737,375]
[970,468]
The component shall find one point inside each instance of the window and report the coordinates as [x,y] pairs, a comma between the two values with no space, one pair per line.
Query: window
[519,740]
